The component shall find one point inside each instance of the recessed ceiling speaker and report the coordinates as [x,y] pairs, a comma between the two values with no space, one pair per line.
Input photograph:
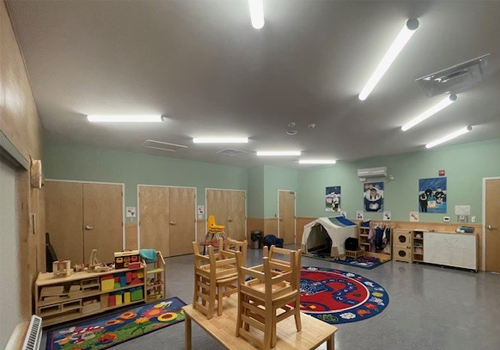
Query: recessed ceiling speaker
[456,78]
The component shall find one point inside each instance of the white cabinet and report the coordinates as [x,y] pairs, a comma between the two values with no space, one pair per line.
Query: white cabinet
[451,249]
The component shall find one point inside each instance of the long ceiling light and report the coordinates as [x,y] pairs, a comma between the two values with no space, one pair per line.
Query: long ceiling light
[220,140]
[403,37]
[317,161]
[430,112]
[256,13]
[449,137]
[278,153]
[124,118]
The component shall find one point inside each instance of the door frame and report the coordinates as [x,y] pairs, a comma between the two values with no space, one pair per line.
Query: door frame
[483,236]
[227,189]
[165,186]
[294,214]
[103,183]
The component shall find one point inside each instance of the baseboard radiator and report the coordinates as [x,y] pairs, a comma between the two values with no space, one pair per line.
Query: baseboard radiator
[33,335]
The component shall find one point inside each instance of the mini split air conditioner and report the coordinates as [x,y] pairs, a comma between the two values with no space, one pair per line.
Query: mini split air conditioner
[372,172]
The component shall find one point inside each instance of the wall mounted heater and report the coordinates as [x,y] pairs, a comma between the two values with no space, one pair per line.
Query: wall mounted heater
[34,334]
[372,172]
[457,78]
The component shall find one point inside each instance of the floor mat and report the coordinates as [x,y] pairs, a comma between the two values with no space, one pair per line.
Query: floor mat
[364,263]
[111,329]
[336,296]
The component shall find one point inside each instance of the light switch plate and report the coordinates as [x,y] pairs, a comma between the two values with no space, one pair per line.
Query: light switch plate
[472,219]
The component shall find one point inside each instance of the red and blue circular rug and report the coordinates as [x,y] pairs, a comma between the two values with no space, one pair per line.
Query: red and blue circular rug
[336,296]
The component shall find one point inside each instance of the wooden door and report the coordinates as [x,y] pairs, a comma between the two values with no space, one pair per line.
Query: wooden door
[154,218]
[236,215]
[102,220]
[492,224]
[217,206]
[287,216]
[182,220]
[64,219]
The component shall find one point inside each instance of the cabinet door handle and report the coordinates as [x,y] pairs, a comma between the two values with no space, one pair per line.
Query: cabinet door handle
[89,228]
[173,223]
[230,220]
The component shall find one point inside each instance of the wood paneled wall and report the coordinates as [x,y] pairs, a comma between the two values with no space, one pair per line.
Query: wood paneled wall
[20,123]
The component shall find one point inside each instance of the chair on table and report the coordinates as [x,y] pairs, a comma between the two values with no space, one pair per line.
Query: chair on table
[268,296]
[214,278]
[214,232]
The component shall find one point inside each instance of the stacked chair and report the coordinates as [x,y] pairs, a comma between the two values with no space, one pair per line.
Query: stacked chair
[271,295]
[215,275]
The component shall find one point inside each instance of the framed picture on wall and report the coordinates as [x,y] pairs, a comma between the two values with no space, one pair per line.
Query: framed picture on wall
[373,197]
[332,199]
[432,195]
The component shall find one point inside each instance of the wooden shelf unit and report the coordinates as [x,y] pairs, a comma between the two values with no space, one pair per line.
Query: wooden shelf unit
[364,244]
[56,303]
[417,245]
[155,279]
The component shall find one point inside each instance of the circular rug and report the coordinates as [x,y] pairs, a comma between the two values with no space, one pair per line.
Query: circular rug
[336,296]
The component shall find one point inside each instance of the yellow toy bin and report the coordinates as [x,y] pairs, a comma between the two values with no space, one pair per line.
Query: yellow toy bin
[107,284]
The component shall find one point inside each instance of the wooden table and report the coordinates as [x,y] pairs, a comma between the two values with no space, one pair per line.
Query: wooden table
[223,329]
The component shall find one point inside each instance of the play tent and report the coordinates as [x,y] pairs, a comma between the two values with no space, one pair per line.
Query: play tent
[328,234]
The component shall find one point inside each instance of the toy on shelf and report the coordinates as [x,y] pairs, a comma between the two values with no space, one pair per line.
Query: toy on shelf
[124,259]
[62,268]
[95,265]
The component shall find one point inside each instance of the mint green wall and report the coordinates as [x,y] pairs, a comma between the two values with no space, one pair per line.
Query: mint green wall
[71,161]
[465,165]
[277,178]
[255,193]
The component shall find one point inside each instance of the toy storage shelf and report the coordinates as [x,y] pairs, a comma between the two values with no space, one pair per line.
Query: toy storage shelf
[62,299]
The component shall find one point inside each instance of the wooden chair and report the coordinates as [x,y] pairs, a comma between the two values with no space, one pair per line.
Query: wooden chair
[266,298]
[215,277]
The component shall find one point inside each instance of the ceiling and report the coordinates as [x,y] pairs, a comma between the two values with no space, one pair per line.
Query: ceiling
[202,65]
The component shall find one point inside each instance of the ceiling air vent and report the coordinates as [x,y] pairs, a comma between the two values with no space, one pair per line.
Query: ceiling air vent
[163,146]
[231,152]
[455,79]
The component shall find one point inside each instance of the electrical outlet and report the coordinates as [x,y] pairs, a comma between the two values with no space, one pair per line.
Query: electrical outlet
[446,219]
[472,219]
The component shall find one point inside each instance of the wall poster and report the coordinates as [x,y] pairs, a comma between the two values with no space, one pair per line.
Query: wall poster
[373,196]
[432,195]
[333,199]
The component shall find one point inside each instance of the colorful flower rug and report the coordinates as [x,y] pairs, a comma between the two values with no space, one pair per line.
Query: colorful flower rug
[336,296]
[364,263]
[112,329]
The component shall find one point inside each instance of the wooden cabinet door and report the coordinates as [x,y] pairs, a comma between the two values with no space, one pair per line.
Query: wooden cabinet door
[217,206]
[492,224]
[102,220]
[236,216]
[154,218]
[64,219]
[287,216]
[182,220]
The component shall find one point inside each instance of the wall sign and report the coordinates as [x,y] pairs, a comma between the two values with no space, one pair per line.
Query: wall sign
[332,199]
[131,212]
[441,173]
[432,195]
[373,197]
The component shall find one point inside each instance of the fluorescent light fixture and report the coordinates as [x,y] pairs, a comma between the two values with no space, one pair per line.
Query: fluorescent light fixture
[256,13]
[317,161]
[220,140]
[430,112]
[403,37]
[278,153]
[449,137]
[124,118]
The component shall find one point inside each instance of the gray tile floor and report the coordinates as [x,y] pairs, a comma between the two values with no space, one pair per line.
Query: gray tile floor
[430,308]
